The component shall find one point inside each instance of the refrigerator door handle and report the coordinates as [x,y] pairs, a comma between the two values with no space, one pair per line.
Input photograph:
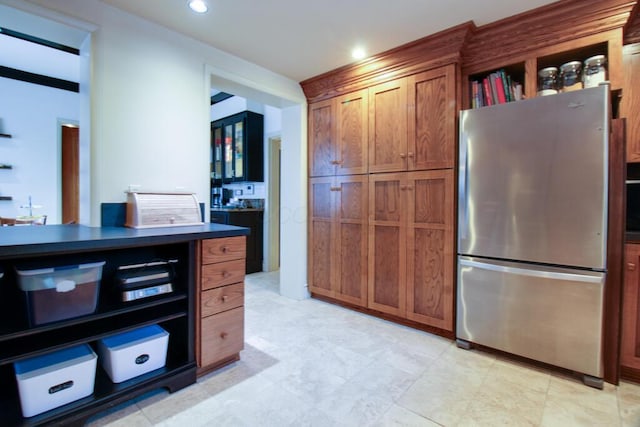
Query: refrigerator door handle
[463,183]
[532,273]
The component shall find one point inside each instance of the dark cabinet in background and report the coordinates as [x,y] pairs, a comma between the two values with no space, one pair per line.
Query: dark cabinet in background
[237,148]
[252,219]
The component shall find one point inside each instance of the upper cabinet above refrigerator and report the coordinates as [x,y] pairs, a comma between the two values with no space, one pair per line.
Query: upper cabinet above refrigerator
[237,148]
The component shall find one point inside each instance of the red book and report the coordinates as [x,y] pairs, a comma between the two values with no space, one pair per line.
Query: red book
[500,90]
[487,91]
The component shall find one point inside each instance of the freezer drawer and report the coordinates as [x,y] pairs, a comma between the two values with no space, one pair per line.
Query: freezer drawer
[552,315]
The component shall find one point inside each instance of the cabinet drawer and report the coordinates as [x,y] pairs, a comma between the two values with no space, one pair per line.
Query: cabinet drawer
[222,336]
[224,273]
[221,299]
[225,249]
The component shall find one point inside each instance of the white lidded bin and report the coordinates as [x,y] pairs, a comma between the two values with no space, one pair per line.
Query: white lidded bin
[133,353]
[55,379]
[60,293]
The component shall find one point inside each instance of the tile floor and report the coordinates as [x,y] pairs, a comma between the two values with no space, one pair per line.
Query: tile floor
[309,363]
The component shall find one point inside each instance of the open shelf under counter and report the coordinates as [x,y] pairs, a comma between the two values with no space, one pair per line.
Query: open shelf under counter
[68,246]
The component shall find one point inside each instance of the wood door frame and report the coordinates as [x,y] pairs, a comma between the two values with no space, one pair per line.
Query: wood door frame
[272,240]
[60,125]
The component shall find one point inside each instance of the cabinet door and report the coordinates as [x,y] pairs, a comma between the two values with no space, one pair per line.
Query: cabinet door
[227,132]
[432,119]
[351,242]
[630,347]
[238,150]
[322,155]
[216,154]
[387,242]
[630,106]
[352,133]
[321,236]
[388,126]
[430,261]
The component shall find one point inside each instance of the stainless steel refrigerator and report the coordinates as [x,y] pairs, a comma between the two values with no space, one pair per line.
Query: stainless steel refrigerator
[532,228]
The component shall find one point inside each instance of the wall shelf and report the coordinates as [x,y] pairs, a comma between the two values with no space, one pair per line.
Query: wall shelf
[5,135]
[6,198]
[5,166]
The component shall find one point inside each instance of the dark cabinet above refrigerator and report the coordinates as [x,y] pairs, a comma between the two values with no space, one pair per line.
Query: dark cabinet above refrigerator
[237,148]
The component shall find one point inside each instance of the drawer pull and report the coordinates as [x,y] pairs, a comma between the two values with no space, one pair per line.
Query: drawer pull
[631,266]
[223,335]
[224,249]
[226,274]
[224,298]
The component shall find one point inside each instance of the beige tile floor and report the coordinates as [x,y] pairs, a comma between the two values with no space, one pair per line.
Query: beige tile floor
[309,363]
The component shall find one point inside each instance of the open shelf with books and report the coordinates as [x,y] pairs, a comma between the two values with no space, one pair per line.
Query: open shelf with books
[525,63]
[497,87]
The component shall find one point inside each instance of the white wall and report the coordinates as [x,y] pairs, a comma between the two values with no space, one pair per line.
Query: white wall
[293,212]
[30,113]
[150,99]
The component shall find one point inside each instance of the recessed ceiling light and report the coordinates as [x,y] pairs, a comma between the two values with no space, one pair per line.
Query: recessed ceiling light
[358,53]
[199,6]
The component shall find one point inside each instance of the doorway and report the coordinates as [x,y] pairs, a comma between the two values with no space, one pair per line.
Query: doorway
[273,249]
[70,173]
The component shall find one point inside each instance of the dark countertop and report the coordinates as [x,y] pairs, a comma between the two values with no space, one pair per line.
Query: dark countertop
[32,240]
[632,237]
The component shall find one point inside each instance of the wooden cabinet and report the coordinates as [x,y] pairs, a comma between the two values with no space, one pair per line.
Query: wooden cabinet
[630,346]
[432,119]
[338,135]
[237,148]
[387,242]
[412,122]
[367,246]
[411,219]
[388,126]
[527,59]
[630,105]
[220,302]
[338,238]
[430,248]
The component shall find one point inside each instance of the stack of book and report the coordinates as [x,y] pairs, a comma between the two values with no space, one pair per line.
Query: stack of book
[496,88]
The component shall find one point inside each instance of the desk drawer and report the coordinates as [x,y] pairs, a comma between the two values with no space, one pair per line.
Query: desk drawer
[222,336]
[221,299]
[225,249]
[222,274]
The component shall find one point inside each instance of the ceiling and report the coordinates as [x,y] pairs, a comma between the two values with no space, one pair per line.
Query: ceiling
[302,39]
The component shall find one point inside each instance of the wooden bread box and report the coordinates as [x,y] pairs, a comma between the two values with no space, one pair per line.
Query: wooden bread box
[155,209]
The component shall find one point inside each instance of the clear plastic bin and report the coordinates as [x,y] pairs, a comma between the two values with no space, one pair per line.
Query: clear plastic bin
[60,293]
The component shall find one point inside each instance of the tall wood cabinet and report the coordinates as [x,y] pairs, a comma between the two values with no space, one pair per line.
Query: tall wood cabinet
[381,197]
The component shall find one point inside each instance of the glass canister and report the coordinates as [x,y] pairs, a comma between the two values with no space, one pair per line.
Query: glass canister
[594,71]
[571,76]
[548,81]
